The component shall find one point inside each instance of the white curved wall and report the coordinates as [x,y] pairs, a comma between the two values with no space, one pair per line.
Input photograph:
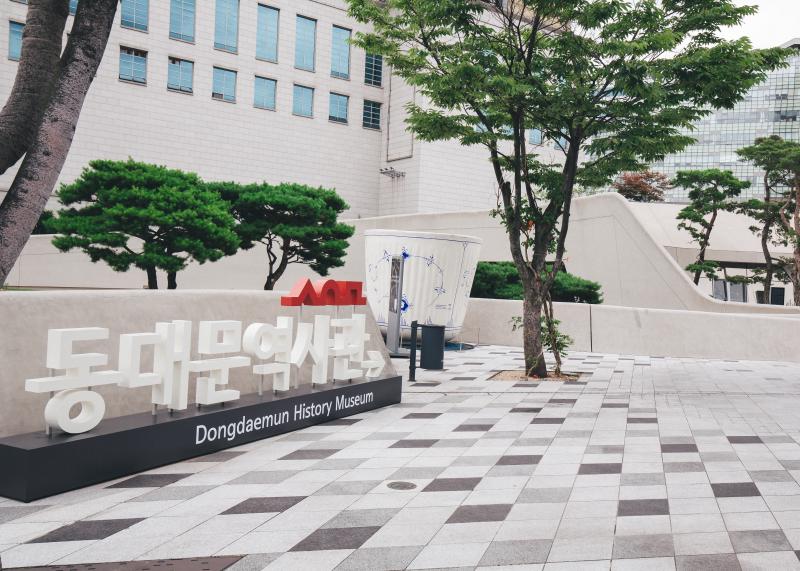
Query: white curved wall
[608,243]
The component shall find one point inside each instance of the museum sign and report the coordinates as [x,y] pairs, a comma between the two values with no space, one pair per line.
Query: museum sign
[78,448]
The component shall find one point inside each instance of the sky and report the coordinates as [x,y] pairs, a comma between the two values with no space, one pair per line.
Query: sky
[777,22]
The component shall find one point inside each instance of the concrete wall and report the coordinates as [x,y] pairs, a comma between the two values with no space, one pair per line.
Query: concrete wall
[607,243]
[654,332]
[26,317]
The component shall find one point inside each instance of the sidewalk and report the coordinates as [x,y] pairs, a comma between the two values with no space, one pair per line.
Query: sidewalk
[645,463]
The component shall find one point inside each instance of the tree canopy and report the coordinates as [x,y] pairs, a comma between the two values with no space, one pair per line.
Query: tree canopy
[710,192]
[643,186]
[614,82]
[781,161]
[296,223]
[766,154]
[128,213]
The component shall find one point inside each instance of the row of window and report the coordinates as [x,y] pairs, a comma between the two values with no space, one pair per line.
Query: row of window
[180,77]
[135,15]
[226,35]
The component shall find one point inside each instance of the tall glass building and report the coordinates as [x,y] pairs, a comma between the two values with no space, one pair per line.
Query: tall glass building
[771,108]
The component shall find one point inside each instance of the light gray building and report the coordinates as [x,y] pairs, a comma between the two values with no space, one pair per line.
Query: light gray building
[771,108]
[252,90]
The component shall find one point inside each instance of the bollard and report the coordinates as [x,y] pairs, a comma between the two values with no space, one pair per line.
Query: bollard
[412,355]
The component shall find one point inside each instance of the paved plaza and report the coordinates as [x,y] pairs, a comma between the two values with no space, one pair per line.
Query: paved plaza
[643,463]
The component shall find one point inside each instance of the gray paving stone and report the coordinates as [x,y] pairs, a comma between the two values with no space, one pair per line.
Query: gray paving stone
[172,493]
[264,505]
[771,476]
[309,454]
[416,473]
[452,484]
[735,490]
[516,552]
[518,459]
[610,468]
[479,513]
[254,562]
[150,481]
[348,488]
[362,518]
[10,513]
[379,559]
[642,507]
[762,540]
[221,456]
[336,538]
[722,562]
[410,443]
[647,479]
[544,495]
[86,530]
[638,546]
[271,477]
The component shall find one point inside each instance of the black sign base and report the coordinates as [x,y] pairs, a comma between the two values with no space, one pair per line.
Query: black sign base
[35,465]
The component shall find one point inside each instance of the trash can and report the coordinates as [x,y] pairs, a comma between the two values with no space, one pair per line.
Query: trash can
[432,350]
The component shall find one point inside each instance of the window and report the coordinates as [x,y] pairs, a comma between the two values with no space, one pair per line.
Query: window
[73,6]
[179,75]
[777,295]
[305,43]
[267,33]
[372,114]
[226,27]
[561,144]
[265,93]
[373,70]
[303,103]
[181,20]
[719,289]
[786,116]
[133,65]
[224,87]
[737,292]
[535,136]
[338,108]
[134,14]
[15,40]
[340,53]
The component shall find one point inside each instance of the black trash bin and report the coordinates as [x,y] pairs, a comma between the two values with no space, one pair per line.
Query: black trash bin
[432,350]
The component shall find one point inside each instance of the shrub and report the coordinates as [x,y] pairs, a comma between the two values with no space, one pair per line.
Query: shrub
[500,280]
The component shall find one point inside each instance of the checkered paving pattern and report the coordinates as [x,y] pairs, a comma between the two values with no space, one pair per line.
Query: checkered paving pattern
[642,463]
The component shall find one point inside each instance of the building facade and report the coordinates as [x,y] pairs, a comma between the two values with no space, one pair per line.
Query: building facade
[250,90]
[771,108]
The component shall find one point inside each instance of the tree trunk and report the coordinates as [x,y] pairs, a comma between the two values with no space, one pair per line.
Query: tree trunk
[152,278]
[796,221]
[768,267]
[172,280]
[36,74]
[552,332]
[766,232]
[535,364]
[33,185]
[706,239]
[275,273]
